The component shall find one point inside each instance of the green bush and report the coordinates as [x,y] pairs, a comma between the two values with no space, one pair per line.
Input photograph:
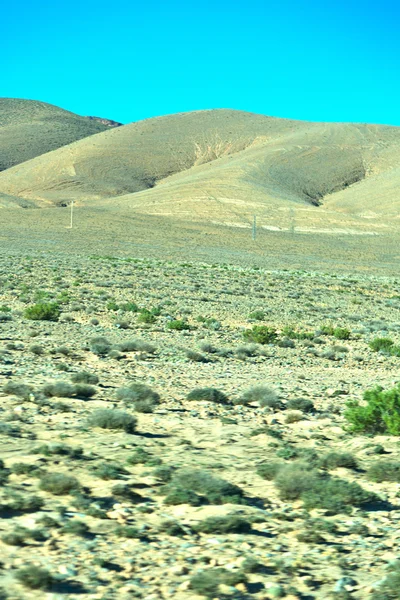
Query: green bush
[58,483]
[82,391]
[171,527]
[384,470]
[223,525]
[43,312]
[129,532]
[257,315]
[146,316]
[179,495]
[208,395]
[112,305]
[293,334]
[333,460]
[214,489]
[269,470]
[336,495]
[110,471]
[206,583]
[318,490]
[124,493]
[34,578]
[129,307]
[341,333]
[24,503]
[75,527]
[261,334]
[59,449]
[295,479]
[113,419]
[178,325]
[381,345]
[139,457]
[380,412]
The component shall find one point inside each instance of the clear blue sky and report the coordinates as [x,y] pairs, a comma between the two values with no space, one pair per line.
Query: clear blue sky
[330,60]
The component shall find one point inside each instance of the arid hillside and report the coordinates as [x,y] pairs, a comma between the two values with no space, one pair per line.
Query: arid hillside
[29,128]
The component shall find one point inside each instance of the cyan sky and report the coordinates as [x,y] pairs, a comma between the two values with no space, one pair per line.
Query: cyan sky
[331,60]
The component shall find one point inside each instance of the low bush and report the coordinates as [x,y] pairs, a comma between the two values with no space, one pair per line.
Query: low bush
[171,527]
[18,389]
[265,397]
[333,460]
[384,470]
[123,493]
[100,345]
[303,404]
[214,489]
[57,448]
[223,525]
[24,503]
[58,483]
[59,389]
[85,377]
[136,345]
[208,395]
[129,532]
[113,419]
[110,471]
[196,357]
[75,527]
[179,495]
[141,396]
[84,391]
[206,583]
[34,578]
[139,457]
[295,479]
[336,495]
[269,470]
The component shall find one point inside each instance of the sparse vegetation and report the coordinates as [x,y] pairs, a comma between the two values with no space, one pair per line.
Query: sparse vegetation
[223,459]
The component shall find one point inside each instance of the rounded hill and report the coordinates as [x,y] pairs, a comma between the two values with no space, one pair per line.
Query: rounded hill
[29,128]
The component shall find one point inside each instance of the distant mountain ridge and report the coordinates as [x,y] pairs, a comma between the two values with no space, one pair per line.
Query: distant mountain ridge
[223,166]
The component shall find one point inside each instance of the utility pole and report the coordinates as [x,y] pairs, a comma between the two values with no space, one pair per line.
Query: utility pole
[254,227]
[292,223]
[72,213]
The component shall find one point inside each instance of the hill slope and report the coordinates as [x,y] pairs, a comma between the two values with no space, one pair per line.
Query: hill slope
[224,165]
[29,128]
